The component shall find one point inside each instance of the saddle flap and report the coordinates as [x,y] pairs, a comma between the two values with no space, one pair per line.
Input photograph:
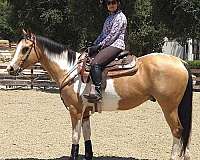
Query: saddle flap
[126,62]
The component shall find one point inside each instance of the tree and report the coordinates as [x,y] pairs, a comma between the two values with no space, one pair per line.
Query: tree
[62,20]
[182,17]
[143,36]
[5,29]
[72,22]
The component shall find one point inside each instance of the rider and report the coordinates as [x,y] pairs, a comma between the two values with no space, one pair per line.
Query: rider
[108,44]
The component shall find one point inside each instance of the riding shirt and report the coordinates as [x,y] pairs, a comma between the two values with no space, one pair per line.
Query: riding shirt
[114,30]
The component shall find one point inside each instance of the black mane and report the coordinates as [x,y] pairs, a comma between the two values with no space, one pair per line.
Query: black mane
[56,48]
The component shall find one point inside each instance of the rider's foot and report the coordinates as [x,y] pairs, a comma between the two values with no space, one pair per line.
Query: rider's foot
[95,95]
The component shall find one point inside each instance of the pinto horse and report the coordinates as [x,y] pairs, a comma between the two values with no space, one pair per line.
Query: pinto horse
[166,78]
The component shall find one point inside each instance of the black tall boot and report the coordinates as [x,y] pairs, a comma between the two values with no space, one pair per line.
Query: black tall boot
[96,75]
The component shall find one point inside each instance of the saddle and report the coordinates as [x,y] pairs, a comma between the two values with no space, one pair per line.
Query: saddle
[123,65]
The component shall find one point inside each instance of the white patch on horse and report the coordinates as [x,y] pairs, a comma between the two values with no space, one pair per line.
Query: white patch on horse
[110,97]
[176,149]
[17,52]
[79,86]
[61,60]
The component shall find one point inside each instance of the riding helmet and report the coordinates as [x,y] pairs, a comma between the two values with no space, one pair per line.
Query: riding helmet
[105,1]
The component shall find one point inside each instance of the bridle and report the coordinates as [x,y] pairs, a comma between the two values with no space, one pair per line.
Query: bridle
[28,52]
[66,80]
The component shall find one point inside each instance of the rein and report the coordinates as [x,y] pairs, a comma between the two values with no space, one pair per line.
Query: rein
[70,80]
[65,82]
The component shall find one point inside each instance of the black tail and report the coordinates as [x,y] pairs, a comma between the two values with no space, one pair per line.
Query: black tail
[185,111]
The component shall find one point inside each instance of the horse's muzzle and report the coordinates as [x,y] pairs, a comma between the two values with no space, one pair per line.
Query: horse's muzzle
[10,69]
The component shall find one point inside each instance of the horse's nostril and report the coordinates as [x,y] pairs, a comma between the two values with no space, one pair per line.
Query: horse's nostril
[10,69]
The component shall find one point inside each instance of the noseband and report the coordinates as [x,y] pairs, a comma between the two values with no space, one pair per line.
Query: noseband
[23,60]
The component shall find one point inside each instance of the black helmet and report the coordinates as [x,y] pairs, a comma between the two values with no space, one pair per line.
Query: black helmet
[105,1]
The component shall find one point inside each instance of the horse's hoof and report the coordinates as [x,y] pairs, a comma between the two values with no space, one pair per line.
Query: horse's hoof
[73,158]
[87,158]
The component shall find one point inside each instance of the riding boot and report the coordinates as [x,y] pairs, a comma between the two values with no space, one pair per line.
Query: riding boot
[96,75]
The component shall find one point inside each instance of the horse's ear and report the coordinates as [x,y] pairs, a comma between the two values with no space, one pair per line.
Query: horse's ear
[24,32]
[33,37]
[29,33]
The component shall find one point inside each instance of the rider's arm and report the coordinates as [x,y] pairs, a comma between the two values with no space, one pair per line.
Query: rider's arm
[119,24]
[99,39]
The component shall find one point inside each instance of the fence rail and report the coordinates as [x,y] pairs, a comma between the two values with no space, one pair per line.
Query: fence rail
[38,77]
[6,50]
[30,78]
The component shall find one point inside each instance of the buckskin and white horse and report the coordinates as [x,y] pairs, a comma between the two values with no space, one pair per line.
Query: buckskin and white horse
[164,77]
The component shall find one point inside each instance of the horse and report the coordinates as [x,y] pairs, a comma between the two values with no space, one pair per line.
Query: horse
[166,78]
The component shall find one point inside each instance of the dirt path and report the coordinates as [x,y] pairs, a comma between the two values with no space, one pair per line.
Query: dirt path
[35,125]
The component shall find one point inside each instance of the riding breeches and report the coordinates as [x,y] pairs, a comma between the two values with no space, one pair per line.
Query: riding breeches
[105,56]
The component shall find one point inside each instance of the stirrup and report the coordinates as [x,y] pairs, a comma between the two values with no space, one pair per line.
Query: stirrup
[93,98]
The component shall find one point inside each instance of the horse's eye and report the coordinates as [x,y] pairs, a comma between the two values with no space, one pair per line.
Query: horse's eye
[25,50]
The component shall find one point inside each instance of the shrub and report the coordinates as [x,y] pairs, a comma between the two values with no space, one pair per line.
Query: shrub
[194,64]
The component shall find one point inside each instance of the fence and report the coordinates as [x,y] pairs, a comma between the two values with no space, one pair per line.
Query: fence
[37,76]
[30,78]
[196,79]
[6,50]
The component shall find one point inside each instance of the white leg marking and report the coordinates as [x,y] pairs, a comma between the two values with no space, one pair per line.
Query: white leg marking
[187,154]
[176,149]
[77,130]
[86,130]
[76,133]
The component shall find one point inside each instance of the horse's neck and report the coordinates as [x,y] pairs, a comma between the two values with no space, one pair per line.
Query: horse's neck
[58,66]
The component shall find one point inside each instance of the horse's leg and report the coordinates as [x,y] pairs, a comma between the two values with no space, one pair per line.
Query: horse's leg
[176,150]
[176,128]
[170,111]
[87,134]
[76,119]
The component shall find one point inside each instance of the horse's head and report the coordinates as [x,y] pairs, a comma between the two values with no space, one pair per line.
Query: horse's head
[25,55]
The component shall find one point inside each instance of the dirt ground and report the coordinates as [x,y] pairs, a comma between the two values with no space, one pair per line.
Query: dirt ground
[35,125]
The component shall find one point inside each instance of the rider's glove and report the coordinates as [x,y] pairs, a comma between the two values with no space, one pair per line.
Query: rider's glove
[93,49]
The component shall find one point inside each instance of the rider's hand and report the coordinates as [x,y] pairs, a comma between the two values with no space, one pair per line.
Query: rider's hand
[89,44]
[93,49]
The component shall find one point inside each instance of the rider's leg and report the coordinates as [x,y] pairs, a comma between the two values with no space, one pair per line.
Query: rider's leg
[103,58]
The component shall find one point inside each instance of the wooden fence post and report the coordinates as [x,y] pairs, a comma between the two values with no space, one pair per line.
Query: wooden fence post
[32,77]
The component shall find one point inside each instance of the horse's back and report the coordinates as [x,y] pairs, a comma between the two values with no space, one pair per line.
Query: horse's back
[162,63]
[160,58]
